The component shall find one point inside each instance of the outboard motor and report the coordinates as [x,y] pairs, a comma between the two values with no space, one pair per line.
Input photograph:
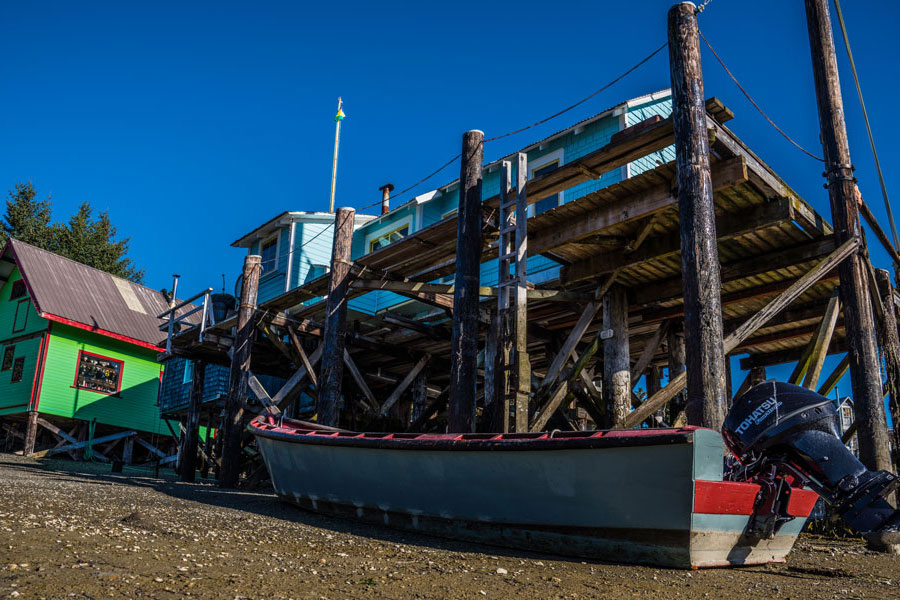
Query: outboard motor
[785,434]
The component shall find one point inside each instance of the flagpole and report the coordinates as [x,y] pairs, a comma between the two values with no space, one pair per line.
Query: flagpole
[337,140]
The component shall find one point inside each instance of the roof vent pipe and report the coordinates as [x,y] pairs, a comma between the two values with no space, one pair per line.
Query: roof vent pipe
[386,190]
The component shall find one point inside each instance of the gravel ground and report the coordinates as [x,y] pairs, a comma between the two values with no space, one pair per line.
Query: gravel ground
[76,530]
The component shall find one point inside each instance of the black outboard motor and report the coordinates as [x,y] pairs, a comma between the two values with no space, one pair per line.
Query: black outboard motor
[778,430]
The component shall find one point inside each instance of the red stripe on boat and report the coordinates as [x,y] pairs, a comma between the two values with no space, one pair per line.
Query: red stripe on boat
[736,498]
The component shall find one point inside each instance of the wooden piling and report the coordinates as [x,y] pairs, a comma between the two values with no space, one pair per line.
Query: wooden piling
[332,365]
[699,251]
[616,367]
[464,340]
[233,420]
[31,432]
[191,437]
[865,372]
[676,352]
[890,345]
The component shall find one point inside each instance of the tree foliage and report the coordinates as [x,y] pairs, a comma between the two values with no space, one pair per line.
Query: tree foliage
[86,239]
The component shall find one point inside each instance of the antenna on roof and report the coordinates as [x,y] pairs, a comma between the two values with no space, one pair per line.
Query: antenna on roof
[337,140]
[223,283]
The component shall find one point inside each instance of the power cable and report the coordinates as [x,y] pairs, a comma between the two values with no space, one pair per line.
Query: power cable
[535,124]
[862,104]
[755,105]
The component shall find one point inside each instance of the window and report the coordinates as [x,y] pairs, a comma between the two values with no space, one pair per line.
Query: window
[188,372]
[21,319]
[18,367]
[98,373]
[392,236]
[8,353]
[18,289]
[268,250]
[550,201]
[315,271]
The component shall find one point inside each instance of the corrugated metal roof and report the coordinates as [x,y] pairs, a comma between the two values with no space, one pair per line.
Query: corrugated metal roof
[87,297]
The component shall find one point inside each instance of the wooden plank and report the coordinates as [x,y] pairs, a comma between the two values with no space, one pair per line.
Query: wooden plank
[575,335]
[728,226]
[832,380]
[822,341]
[83,444]
[740,269]
[151,448]
[298,348]
[268,405]
[447,289]
[649,352]
[744,331]
[726,173]
[67,438]
[296,379]
[360,381]
[401,387]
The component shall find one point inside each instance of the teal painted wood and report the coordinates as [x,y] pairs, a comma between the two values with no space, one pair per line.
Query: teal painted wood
[659,107]
[16,396]
[175,389]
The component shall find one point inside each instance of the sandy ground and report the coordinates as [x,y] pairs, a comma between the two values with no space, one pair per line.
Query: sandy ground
[70,530]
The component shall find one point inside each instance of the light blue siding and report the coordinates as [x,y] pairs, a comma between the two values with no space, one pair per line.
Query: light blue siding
[636,114]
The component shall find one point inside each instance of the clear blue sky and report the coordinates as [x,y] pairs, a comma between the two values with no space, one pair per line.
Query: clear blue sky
[192,122]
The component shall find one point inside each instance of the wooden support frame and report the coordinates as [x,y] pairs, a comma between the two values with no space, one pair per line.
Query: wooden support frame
[357,376]
[401,387]
[752,324]
[822,340]
[84,443]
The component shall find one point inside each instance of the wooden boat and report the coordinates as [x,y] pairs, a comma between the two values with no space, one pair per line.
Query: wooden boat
[652,496]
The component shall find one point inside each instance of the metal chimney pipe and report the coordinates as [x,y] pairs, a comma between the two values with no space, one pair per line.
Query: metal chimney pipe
[386,190]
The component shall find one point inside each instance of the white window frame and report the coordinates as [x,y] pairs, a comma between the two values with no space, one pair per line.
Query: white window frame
[538,163]
[388,228]
[277,237]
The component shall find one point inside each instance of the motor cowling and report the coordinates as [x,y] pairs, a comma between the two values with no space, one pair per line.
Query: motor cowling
[782,430]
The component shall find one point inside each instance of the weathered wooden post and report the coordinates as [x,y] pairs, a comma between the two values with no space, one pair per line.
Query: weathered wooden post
[464,339]
[616,363]
[865,371]
[699,252]
[191,436]
[31,432]
[890,343]
[233,420]
[675,350]
[332,365]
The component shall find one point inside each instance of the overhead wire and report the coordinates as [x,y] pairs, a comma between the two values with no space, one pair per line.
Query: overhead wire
[862,104]
[755,105]
[531,126]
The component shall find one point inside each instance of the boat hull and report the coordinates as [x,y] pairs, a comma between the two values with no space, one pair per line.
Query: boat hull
[625,498]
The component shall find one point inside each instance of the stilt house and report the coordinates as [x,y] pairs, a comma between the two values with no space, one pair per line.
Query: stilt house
[79,349]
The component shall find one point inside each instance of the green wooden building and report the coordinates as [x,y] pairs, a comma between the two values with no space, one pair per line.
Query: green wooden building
[78,350]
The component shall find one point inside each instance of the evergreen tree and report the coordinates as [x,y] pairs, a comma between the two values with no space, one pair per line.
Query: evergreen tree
[27,219]
[93,242]
[84,239]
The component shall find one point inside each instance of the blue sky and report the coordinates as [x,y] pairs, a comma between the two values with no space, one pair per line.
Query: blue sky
[192,122]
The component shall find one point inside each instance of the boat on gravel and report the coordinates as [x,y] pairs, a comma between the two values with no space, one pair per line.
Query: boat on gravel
[650,496]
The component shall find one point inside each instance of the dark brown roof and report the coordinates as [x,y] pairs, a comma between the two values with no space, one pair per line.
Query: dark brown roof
[67,291]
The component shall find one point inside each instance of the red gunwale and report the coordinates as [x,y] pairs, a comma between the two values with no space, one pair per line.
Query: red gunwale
[738,498]
[288,430]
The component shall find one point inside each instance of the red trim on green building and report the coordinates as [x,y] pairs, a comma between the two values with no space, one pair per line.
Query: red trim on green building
[115,336]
